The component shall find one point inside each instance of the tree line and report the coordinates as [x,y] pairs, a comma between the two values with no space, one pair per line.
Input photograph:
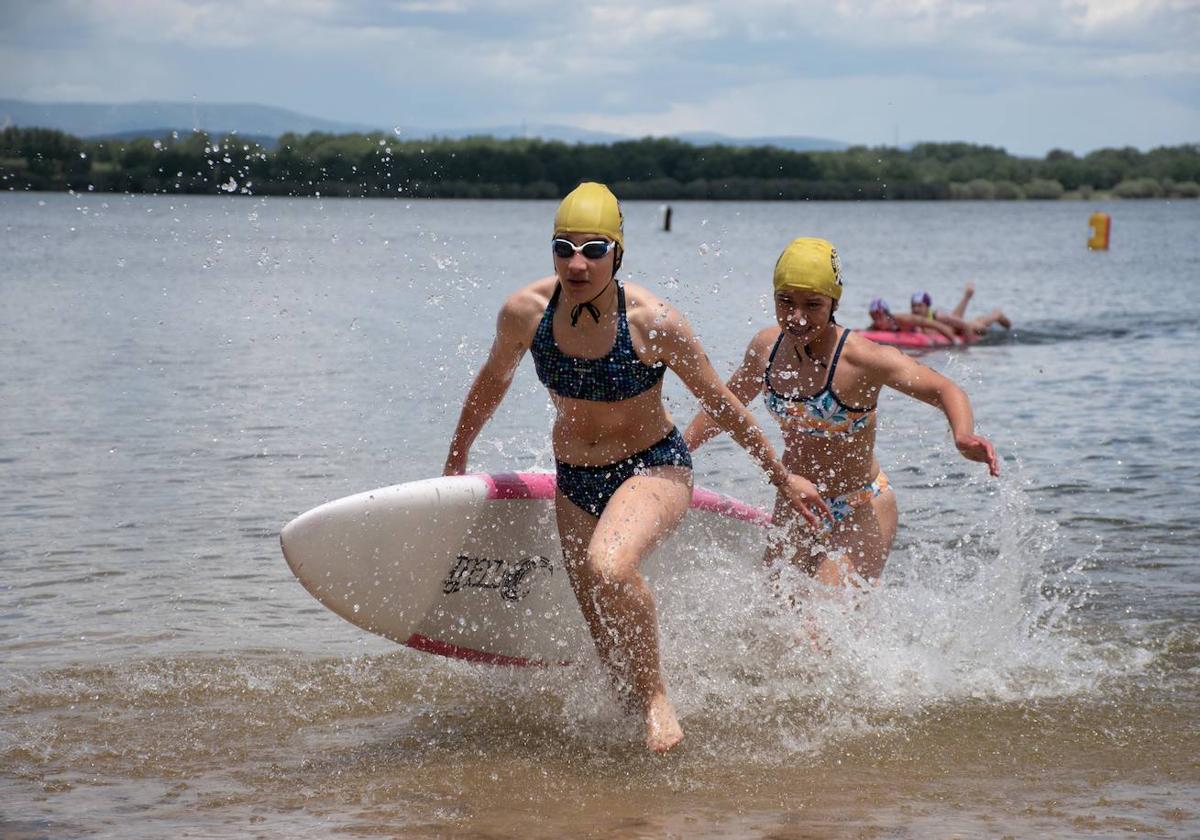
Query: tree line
[379,164]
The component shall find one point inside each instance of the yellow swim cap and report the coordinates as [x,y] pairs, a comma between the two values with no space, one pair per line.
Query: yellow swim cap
[591,208]
[810,265]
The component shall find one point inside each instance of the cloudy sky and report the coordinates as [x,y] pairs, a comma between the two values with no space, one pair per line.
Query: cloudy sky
[1029,75]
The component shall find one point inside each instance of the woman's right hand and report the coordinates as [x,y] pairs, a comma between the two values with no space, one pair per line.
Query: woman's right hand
[804,496]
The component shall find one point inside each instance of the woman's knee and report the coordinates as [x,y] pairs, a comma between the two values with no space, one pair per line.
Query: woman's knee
[609,565]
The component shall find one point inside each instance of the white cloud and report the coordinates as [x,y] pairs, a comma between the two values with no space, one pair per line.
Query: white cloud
[881,110]
[637,24]
[1100,14]
[656,65]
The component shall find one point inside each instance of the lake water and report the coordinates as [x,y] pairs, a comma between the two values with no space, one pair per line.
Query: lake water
[181,376]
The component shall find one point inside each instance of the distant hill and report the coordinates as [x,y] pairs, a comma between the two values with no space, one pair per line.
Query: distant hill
[795,144]
[263,123]
[86,119]
[541,131]
[267,142]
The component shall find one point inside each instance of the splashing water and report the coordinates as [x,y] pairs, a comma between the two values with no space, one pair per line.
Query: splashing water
[988,619]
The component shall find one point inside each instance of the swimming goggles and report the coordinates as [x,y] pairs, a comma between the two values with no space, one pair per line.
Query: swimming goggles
[593,250]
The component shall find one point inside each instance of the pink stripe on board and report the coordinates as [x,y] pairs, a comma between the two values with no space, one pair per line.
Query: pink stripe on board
[523,485]
[427,645]
[727,506]
[536,485]
[907,339]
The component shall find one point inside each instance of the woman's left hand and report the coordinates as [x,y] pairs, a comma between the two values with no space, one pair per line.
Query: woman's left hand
[979,448]
[804,496]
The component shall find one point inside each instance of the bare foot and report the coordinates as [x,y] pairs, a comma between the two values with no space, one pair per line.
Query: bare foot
[662,727]
[1002,320]
[813,636]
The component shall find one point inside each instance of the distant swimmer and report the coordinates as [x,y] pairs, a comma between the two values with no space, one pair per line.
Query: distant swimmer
[884,320]
[822,382]
[922,307]
[624,473]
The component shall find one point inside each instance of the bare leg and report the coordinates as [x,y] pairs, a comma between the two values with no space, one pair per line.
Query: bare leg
[856,548]
[602,558]
[957,324]
[792,540]
[862,540]
[996,316]
[865,539]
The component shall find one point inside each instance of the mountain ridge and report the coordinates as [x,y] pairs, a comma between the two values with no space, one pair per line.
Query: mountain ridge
[152,118]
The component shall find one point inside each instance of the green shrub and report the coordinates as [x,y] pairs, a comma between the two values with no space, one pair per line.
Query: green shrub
[1138,188]
[981,188]
[1007,191]
[1181,189]
[1042,188]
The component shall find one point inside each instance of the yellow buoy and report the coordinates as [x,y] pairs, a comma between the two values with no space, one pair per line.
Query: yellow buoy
[1100,225]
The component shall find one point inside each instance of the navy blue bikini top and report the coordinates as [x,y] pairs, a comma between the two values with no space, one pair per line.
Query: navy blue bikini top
[618,375]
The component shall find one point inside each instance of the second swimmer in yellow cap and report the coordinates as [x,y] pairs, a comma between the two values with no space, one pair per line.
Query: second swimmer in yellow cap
[624,474]
[822,385]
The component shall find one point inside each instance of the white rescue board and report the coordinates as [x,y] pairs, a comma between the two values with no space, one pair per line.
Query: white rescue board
[470,566]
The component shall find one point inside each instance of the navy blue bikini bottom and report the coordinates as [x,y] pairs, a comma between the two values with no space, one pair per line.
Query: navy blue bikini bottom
[590,488]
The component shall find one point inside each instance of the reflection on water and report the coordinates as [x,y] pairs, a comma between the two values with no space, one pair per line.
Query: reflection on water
[184,376]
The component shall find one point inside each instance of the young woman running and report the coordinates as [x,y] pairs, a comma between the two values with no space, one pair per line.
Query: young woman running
[821,383]
[624,474]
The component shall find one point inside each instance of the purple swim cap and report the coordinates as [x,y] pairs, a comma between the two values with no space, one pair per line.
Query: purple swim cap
[922,297]
[879,305]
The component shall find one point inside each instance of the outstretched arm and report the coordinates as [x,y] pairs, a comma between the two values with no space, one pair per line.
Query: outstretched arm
[745,384]
[490,386]
[908,376]
[681,351]
[960,311]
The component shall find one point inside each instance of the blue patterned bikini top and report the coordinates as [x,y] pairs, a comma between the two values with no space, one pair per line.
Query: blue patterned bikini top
[617,375]
[823,414]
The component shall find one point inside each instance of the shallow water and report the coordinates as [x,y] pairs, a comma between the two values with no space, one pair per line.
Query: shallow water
[184,375]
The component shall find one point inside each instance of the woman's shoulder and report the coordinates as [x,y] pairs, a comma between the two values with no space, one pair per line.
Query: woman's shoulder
[641,301]
[860,351]
[646,311]
[758,351]
[764,339]
[522,311]
[531,300]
